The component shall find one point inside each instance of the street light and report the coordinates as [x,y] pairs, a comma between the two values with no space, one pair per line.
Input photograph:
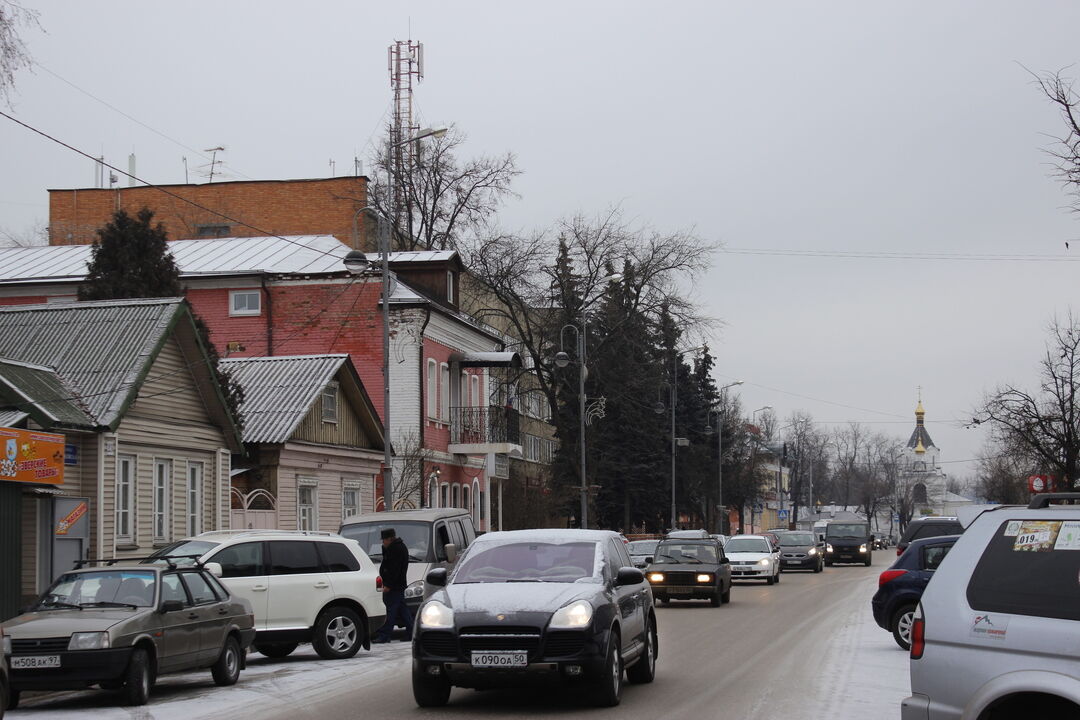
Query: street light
[357,263]
[562,360]
[660,409]
[720,455]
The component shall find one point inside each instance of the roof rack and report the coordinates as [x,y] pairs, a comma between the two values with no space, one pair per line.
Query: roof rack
[245,533]
[1043,500]
[109,562]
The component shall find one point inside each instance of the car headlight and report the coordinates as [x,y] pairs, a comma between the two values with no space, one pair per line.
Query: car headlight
[89,641]
[656,577]
[812,551]
[7,644]
[577,614]
[862,548]
[415,589]
[763,561]
[436,615]
[704,578]
[828,548]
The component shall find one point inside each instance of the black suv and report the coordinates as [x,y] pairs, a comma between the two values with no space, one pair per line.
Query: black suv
[528,606]
[926,527]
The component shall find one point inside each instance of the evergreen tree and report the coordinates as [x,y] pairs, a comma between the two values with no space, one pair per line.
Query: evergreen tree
[130,259]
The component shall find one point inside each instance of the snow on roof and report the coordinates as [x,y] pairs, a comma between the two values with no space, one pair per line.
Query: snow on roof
[549,535]
[422,256]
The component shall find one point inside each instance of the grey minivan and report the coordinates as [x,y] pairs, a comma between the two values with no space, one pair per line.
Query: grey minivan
[434,536]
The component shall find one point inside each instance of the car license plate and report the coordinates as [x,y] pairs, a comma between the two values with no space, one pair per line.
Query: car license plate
[30,662]
[500,659]
[679,591]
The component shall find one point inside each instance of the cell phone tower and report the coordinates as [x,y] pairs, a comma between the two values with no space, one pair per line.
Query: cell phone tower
[405,61]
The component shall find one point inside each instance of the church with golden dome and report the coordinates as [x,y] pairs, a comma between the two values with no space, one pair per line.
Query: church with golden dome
[930,496]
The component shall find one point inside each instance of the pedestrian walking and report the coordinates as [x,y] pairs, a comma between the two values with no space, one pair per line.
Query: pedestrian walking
[394,570]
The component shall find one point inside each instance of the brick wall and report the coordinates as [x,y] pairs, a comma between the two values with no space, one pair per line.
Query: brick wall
[278,207]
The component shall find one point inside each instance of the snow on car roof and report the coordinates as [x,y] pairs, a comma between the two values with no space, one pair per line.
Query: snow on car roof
[551,535]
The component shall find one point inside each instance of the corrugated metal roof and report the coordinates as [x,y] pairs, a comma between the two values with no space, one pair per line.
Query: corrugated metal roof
[422,256]
[301,254]
[99,348]
[10,418]
[279,391]
[36,388]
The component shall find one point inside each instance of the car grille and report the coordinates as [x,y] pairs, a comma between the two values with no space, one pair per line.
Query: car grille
[38,645]
[442,644]
[795,556]
[680,578]
[500,638]
[564,644]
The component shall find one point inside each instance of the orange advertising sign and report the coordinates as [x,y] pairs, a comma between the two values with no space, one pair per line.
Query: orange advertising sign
[72,517]
[31,456]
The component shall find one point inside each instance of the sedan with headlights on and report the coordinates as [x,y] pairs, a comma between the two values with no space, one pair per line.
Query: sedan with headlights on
[753,557]
[799,551]
[690,570]
[563,607]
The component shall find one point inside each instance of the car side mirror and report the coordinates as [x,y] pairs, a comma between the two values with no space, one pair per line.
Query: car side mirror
[436,577]
[629,576]
[648,559]
[213,568]
[725,561]
[171,606]
[451,552]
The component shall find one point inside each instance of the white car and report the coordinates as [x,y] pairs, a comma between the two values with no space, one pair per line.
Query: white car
[753,558]
[303,586]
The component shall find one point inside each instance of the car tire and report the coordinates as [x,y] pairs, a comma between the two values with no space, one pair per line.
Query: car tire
[226,670]
[664,600]
[828,563]
[429,691]
[771,580]
[778,576]
[338,633]
[868,561]
[715,599]
[276,650]
[725,597]
[901,623]
[137,678]
[819,567]
[608,690]
[644,670]
[12,699]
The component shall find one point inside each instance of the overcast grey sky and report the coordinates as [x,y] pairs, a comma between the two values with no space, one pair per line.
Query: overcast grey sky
[883,127]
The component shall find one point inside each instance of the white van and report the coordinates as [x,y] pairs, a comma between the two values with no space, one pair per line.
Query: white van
[434,537]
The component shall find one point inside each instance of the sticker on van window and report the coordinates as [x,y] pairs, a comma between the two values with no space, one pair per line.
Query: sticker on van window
[1037,536]
[1069,536]
[1012,528]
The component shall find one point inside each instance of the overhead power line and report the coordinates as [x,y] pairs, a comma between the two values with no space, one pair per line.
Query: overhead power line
[909,255]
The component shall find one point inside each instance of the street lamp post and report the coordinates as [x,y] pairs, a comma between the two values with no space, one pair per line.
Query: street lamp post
[561,361]
[753,453]
[720,455]
[357,263]
[674,401]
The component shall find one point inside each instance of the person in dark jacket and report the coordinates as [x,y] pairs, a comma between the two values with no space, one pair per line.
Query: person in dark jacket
[394,570]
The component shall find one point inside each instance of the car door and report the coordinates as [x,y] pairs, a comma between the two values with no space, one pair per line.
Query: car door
[299,587]
[723,568]
[179,646]
[627,597]
[245,572]
[214,615]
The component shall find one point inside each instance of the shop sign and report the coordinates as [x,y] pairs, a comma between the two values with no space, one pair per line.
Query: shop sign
[31,457]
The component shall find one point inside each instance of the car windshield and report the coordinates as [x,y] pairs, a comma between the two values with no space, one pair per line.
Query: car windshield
[642,547]
[692,553]
[748,545]
[100,588]
[844,530]
[415,535]
[551,562]
[196,548]
[797,539]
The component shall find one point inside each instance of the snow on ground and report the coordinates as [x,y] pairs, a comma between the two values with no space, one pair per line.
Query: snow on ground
[194,695]
[865,674]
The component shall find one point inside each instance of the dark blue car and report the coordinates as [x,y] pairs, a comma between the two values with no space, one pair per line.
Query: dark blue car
[901,586]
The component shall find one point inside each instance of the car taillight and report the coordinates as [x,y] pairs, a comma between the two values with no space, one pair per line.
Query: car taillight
[378,582]
[918,637]
[899,551]
[889,576]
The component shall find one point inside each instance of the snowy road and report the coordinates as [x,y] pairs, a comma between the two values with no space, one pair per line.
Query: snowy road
[806,648]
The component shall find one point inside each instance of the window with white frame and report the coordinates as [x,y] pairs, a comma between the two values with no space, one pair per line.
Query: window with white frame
[432,389]
[475,395]
[194,497]
[245,302]
[475,510]
[463,389]
[307,495]
[433,493]
[350,501]
[329,403]
[444,495]
[125,498]
[450,287]
[162,493]
[455,500]
[465,497]
[532,448]
[444,393]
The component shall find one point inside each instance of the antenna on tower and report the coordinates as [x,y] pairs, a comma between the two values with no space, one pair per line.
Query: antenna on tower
[210,168]
[405,62]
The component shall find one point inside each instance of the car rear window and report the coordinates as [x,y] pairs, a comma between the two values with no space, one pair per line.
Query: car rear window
[337,558]
[293,558]
[1029,568]
[937,530]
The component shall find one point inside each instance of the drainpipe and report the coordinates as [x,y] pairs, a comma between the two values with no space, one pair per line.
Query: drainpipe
[269,316]
[421,364]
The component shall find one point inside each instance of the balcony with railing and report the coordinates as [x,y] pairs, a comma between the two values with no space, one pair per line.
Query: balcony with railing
[483,430]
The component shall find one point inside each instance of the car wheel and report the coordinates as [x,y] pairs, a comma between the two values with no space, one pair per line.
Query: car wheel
[819,567]
[828,563]
[276,649]
[430,690]
[777,576]
[725,597]
[137,678]
[868,561]
[337,634]
[12,699]
[644,670]
[665,600]
[715,599]
[770,580]
[608,690]
[902,620]
[226,670]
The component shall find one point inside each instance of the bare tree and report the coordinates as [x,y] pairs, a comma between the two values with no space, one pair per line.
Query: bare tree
[1002,474]
[33,236]
[1066,149]
[440,200]
[409,471]
[13,53]
[806,445]
[1045,425]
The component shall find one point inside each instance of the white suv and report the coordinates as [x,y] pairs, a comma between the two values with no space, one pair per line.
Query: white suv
[995,634]
[303,586]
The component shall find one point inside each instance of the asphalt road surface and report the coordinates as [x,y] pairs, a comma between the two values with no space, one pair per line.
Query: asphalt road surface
[785,651]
